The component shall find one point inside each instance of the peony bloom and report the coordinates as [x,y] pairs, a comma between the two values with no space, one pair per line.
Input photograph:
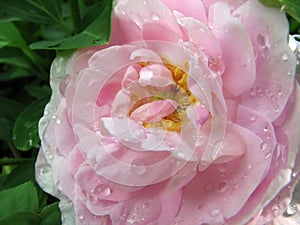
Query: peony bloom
[187,117]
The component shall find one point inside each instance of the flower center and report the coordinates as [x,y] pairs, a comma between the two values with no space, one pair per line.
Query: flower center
[178,92]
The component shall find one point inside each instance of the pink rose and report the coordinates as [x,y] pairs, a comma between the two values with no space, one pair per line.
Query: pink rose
[189,116]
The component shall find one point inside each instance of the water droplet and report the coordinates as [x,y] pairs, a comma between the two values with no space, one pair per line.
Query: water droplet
[96,42]
[222,186]
[30,142]
[223,167]
[200,206]
[291,209]
[50,155]
[284,56]
[45,170]
[263,146]
[279,92]
[102,190]
[289,73]
[154,16]
[276,108]
[267,155]
[266,127]
[283,7]
[216,64]
[215,212]
[252,117]
[250,166]
[138,166]
[209,187]
[252,92]
[58,121]
[147,205]
[260,38]
[81,217]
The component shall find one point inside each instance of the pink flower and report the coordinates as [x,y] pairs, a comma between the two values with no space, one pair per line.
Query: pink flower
[189,116]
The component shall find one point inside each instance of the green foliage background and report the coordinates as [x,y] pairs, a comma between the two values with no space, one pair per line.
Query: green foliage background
[31,32]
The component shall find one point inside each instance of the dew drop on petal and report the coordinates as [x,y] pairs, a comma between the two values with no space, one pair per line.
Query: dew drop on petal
[252,117]
[58,121]
[154,16]
[284,56]
[267,155]
[222,186]
[291,209]
[138,166]
[147,204]
[81,217]
[223,167]
[102,190]
[215,212]
[209,187]
[263,146]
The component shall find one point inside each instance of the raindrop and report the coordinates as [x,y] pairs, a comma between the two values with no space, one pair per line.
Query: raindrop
[289,73]
[45,170]
[50,155]
[263,146]
[276,108]
[58,121]
[267,155]
[138,166]
[284,56]
[209,187]
[250,166]
[81,217]
[279,92]
[147,205]
[215,212]
[154,16]
[222,186]
[223,167]
[252,117]
[291,209]
[266,127]
[30,142]
[200,206]
[102,190]
[96,42]
[252,92]
[283,7]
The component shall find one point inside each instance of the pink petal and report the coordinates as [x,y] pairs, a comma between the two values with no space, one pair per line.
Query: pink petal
[144,12]
[155,75]
[221,190]
[275,61]
[154,111]
[233,37]
[193,9]
[197,114]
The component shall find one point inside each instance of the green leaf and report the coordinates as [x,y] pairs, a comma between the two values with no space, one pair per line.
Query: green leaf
[292,7]
[14,57]
[95,34]
[38,91]
[271,3]
[50,214]
[10,110]
[21,174]
[37,11]
[11,35]
[21,218]
[25,131]
[18,199]
[14,73]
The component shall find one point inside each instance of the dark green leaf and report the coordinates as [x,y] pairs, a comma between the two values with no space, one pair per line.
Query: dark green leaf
[97,33]
[14,57]
[38,91]
[11,35]
[18,199]
[51,215]
[37,11]
[25,132]
[21,174]
[14,73]
[21,218]
[10,110]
